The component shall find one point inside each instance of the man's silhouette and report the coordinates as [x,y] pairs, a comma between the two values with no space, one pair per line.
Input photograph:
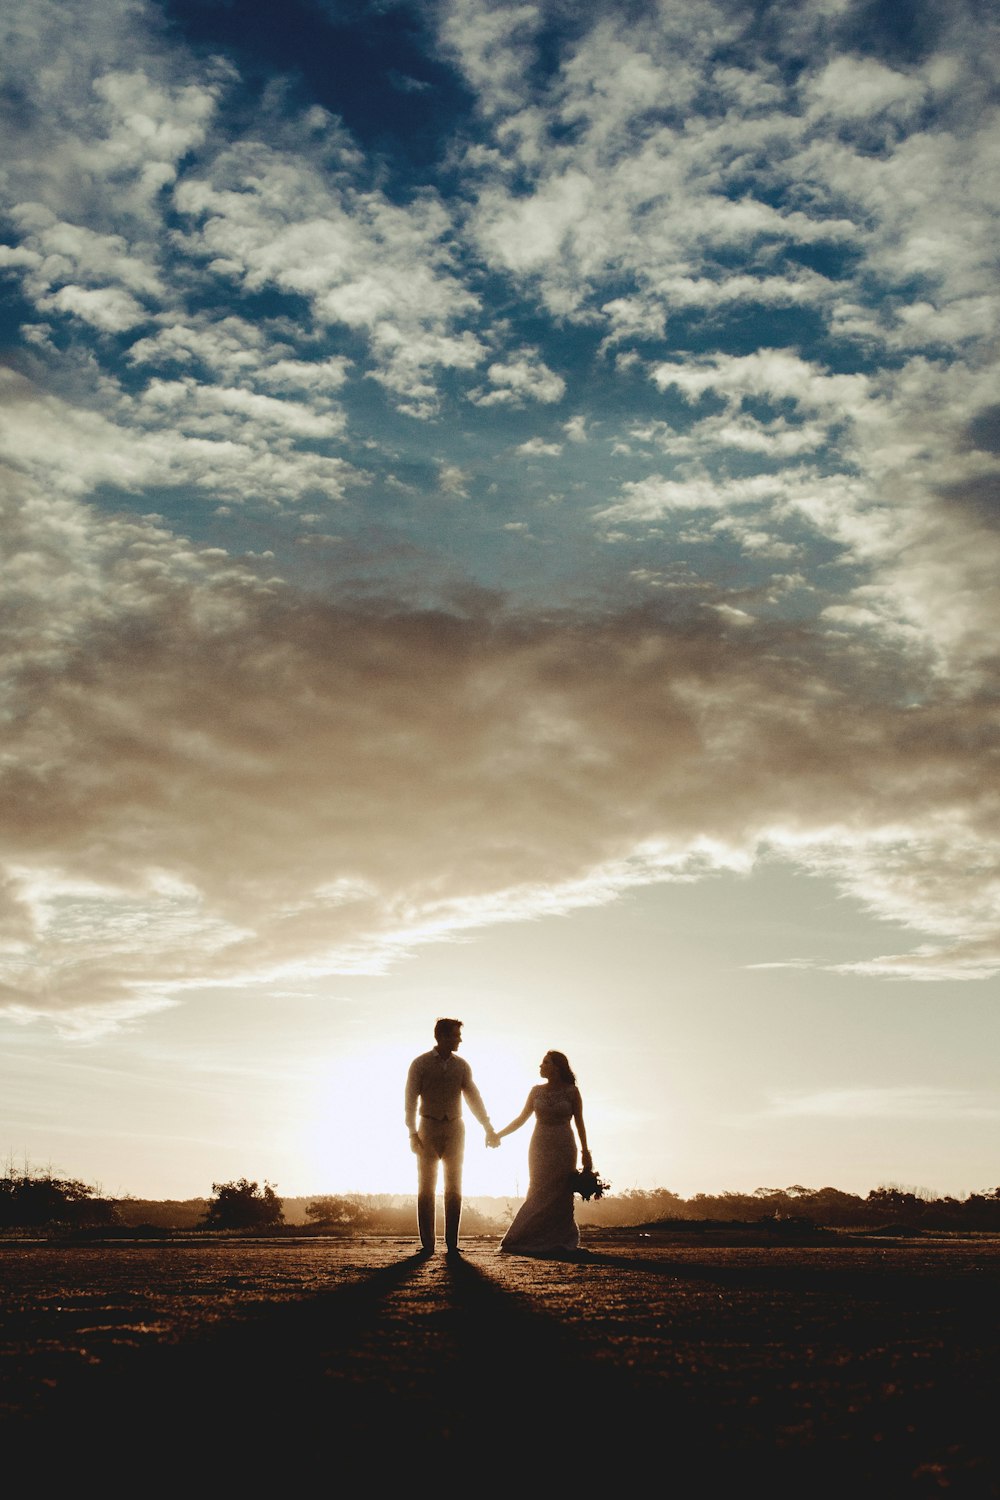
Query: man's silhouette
[435,1084]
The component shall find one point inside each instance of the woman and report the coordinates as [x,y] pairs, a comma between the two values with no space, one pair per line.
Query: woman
[544,1224]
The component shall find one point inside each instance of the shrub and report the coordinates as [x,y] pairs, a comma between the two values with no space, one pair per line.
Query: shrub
[243,1205]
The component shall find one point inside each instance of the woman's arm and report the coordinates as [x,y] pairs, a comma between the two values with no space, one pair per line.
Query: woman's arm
[519,1121]
[581,1130]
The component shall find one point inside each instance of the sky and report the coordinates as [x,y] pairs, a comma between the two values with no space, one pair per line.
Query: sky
[500,519]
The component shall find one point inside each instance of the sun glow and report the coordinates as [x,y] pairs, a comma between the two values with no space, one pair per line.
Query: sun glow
[354,1136]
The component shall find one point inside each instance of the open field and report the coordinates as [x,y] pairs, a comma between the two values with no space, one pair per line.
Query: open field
[843,1368]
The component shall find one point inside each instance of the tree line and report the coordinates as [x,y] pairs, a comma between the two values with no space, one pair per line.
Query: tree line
[826,1207]
[33,1199]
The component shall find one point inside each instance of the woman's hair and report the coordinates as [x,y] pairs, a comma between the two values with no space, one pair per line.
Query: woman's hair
[562,1063]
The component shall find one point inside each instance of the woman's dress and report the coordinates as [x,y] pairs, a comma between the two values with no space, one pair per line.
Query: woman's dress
[544,1224]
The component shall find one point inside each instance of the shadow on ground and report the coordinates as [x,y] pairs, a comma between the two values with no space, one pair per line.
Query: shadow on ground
[467,1366]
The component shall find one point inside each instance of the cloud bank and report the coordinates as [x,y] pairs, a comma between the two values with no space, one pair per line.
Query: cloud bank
[210,777]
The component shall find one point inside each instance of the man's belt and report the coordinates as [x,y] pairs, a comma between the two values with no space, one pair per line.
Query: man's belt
[438,1119]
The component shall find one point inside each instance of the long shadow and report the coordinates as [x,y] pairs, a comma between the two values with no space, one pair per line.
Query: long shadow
[979,1294]
[625,1424]
[543,1392]
[373,1373]
[419,1364]
[242,1401]
[539,1391]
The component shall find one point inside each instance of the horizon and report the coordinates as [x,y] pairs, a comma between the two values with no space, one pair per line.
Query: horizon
[792,1192]
[500,519]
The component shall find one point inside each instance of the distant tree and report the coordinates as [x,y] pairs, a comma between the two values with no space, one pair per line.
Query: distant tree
[337,1212]
[30,1199]
[243,1205]
[166,1213]
[830,1206]
[733,1206]
[896,1204]
[632,1206]
[982,1210]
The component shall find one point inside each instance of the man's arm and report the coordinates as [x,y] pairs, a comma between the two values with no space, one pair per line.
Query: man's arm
[412,1095]
[474,1099]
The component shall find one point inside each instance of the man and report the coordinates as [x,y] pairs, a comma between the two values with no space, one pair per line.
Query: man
[435,1084]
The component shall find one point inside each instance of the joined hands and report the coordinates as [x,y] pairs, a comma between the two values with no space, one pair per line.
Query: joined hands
[492,1139]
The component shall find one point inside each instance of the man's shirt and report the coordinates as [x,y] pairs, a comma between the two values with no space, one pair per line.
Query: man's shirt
[439,1084]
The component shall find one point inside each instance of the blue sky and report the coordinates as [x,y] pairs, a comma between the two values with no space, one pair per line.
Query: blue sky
[473,468]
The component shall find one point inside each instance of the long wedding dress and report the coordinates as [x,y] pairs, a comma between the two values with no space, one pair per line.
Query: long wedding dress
[544,1224]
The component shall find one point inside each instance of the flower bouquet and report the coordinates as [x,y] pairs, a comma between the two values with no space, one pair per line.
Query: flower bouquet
[589,1185]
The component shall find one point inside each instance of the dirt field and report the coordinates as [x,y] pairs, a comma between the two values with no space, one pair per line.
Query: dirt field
[695,1368]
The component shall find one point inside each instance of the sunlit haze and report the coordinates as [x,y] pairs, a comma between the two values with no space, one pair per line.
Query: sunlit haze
[500,519]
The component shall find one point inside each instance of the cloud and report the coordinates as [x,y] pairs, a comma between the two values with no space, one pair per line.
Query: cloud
[622,184]
[272,785]
[886,1104]
[641,501]
[212,409]
[227,443]
[453,480]
[779,374]
[158,207]
[264,218]
[491,44]
[523,377]
[106,308]
[859,87]
[93,136]
[779,251]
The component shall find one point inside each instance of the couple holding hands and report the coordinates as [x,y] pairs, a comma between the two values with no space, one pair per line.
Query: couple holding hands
[436,1084]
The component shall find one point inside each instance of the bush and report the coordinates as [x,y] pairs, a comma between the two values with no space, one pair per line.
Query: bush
[31,1199]
[338,1212]
[243,1205]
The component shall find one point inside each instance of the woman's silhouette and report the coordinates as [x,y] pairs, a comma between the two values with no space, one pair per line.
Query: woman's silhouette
[545,1224]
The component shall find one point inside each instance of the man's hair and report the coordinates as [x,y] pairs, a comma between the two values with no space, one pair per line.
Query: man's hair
[443,1024]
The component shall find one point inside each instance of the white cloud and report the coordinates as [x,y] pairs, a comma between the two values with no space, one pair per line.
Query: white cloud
[825,500]
[774,373]
[633,318]
[96,138]
[61,251]
[527,234]
[137,145]
[319,376]
[859,87]
[107,308]
[228,444]
[229,345]
[642,162]
[453,480]
[268,218]
[490,42]
[523,377]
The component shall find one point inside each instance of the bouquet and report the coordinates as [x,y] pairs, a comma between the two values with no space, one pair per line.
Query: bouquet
[589,1185]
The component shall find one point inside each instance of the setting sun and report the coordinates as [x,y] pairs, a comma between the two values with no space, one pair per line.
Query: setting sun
[354,1138]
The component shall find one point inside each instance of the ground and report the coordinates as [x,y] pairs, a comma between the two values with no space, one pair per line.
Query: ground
[833,1369]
